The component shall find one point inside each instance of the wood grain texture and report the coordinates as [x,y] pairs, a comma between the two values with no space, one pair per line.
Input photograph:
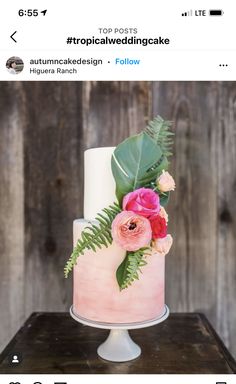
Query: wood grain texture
[114,110]
[44,129]
[55,343]
[201,268]
[53,187]
[226,229]
[11,211]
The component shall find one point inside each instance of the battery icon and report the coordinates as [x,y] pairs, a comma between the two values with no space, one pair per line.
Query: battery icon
[216,12]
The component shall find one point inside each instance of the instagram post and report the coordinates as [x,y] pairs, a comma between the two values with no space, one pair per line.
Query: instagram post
[117,195]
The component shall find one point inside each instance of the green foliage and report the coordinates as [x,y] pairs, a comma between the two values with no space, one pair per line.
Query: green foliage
[164,198]
[136,162]
[94,236]
[128,270]
[159,130]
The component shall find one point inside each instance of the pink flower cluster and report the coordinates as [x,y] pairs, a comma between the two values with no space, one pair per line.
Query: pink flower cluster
[142,220]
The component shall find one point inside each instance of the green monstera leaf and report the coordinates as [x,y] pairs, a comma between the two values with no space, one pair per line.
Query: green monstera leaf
[136,162]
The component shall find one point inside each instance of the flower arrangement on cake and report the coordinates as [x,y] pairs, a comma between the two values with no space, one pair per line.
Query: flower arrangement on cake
[137,221]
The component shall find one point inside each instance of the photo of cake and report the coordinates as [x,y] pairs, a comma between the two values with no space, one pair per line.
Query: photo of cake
[120,245]
[117,236]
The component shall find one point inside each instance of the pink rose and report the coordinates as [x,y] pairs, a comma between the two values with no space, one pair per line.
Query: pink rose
[159,227]
[130,231]
[143,201]
[165,182]
[163,245]
[163,214]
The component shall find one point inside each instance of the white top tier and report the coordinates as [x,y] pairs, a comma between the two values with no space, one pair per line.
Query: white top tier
[99,184]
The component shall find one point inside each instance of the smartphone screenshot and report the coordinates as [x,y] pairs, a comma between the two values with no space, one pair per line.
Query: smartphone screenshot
[117,192]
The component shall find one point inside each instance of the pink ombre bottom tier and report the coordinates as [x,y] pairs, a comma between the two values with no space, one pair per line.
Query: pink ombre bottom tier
[97,295]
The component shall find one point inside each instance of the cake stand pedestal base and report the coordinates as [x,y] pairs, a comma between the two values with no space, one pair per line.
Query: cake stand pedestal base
[119,346]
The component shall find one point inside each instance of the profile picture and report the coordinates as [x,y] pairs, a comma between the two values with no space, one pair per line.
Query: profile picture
[15,65]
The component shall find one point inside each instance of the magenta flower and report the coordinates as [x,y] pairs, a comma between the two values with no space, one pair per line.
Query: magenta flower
[144,201]
[130,231]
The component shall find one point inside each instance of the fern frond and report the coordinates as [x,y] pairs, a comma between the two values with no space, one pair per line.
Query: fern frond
[159,130]
[94,236]
[129,269]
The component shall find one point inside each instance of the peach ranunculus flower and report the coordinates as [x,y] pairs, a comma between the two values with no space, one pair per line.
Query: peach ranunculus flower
[163,214]
[131,231]
[165,182]
[163,245]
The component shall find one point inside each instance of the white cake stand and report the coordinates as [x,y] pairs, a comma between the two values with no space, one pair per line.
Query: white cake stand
[119,346]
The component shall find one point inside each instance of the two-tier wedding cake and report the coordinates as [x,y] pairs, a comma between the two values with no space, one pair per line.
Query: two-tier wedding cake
[120,245]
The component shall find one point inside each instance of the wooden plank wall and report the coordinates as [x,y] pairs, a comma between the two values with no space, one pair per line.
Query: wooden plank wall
[44,129]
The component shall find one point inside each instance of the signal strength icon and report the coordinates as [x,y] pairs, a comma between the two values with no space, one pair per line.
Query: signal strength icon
[188,13]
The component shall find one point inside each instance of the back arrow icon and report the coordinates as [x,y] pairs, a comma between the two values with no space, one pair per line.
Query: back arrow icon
[13,37]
